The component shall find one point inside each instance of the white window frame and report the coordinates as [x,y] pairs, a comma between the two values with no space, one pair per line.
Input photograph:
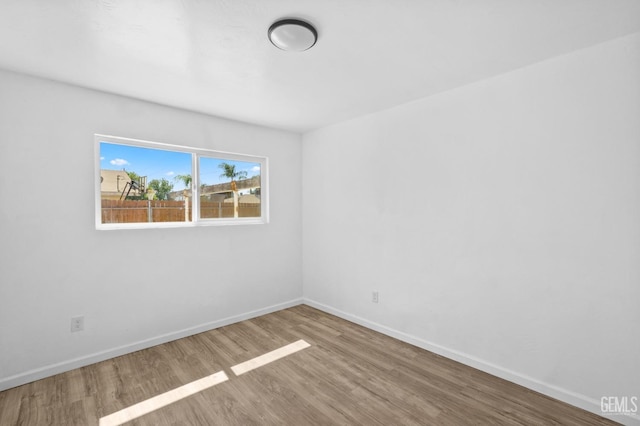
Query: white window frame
[196,153]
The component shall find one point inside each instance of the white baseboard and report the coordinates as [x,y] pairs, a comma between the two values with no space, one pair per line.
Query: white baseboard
[61,367]
[552,391]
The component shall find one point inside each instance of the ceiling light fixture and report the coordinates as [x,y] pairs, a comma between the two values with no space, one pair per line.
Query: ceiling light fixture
[292,35]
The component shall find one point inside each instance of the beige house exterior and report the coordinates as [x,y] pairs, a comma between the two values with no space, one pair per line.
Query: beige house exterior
[245,199]
[112,183]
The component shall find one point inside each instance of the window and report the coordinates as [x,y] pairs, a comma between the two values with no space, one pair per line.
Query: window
[142,184]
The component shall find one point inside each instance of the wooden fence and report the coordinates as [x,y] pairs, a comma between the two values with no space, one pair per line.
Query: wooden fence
[136,211]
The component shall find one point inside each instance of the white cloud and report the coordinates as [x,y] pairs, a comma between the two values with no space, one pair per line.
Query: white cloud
[119,162]
[170,173]
[255,169]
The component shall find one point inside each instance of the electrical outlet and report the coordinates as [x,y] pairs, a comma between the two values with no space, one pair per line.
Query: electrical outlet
[374,297]
[77,324]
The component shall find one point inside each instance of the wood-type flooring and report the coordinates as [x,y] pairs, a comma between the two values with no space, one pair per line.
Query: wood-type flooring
[349,375]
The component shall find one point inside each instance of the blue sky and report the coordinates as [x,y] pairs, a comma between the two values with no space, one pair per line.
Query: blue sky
[161,164]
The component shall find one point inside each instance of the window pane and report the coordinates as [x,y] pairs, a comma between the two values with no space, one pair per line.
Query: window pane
[139,184]
[229,188]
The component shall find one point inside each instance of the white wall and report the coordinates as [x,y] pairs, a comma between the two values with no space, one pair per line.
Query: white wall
[500,223]
[55,265]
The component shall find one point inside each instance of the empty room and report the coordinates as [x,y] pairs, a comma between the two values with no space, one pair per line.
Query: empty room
[296,212]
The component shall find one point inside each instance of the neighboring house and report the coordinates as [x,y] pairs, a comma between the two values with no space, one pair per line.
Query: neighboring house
[245,199]
[214,192]
[112,183]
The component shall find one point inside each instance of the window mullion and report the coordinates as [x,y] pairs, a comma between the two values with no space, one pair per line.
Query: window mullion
[195,190]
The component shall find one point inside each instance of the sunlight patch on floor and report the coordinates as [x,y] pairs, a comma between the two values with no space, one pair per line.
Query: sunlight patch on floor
[261,360]
[164,399]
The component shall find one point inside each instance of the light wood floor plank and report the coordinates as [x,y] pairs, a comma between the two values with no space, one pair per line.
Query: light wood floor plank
[349,375]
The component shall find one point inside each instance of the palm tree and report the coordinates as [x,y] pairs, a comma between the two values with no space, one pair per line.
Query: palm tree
[186,179]
[231,173]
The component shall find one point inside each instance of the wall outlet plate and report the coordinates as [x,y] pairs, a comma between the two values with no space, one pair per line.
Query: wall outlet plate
[77,324]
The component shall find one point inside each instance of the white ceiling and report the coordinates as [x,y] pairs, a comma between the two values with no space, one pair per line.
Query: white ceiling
[213,56]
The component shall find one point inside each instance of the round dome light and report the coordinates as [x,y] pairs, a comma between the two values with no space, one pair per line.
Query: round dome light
[293,35]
